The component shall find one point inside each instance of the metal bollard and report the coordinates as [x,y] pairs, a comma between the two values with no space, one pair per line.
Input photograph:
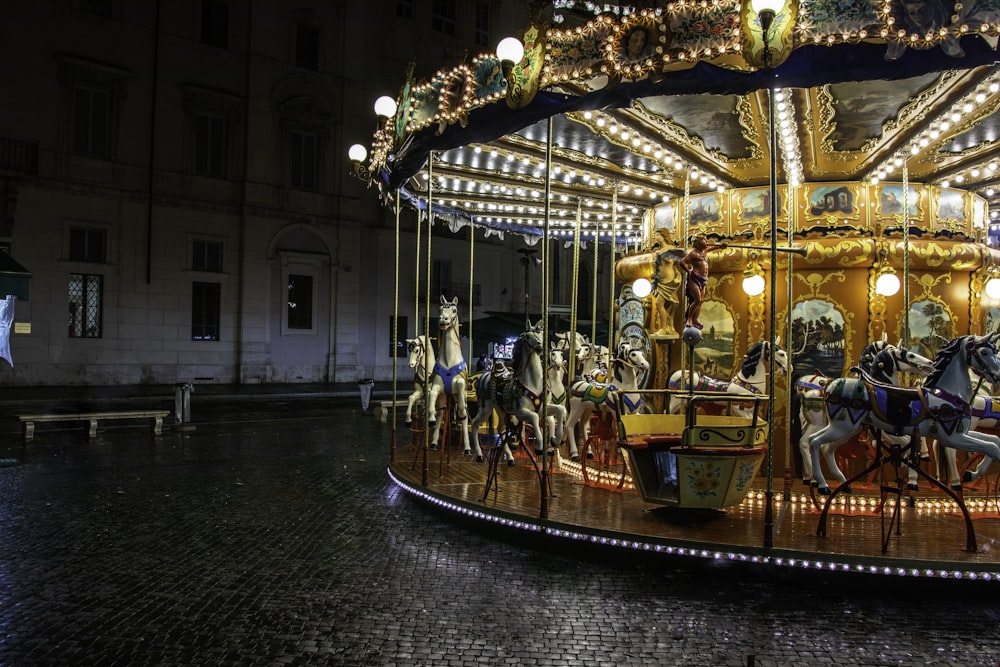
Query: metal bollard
[182,402]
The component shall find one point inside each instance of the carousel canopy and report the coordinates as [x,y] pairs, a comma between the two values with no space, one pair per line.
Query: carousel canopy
[646,106]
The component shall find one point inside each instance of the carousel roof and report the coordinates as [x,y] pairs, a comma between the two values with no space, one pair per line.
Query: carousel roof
[860,91]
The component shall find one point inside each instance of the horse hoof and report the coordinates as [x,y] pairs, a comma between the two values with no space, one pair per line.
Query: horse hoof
[538,452]
[479,459]
[807,482]
[467,452]
[575,458]
[912,487]
[590,455]
[510,463]
[967,477]
[433,448]
[957,487]
[824,491]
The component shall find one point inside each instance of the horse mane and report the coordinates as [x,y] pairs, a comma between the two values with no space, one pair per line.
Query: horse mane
[751,359]
[518,356]
[882,365]
[943,358]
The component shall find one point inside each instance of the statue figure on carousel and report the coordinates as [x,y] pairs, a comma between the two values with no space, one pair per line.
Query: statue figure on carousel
[666,285]
[695,262]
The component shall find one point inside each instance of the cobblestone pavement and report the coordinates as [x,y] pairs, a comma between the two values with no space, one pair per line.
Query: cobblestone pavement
[269,534]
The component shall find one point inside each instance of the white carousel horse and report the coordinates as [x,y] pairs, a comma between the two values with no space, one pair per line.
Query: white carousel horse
[420,357]
[939,406]
[812,388]
[450,370]
[583,350]
[586,395]
[884,368]
[984,412]
[598,366]
[751,378]
[519,393]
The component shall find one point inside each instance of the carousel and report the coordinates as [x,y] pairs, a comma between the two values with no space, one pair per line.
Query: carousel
[793,202]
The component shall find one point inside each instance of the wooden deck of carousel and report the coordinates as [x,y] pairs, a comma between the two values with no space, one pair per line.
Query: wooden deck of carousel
[928,539]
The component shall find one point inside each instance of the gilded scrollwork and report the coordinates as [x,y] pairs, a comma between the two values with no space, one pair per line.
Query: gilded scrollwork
[813,280]
[845,252]
[956,256]
[928,281]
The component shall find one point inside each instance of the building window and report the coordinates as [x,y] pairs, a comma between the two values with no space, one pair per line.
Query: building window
[91,122]
[304,154]
[300,301]
[206,256]
[85,296]
[401,332]
[88,245]
[306,46]
[96,7]
[404,9]
[210,145]
[92,95]
[443,16]
[215,23]
[206,301]
[482,33]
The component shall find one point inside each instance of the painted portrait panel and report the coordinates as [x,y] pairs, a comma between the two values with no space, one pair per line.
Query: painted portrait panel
[930,326]
[714,355]
[706,214]
[756,203]
[663,217]
[951,206]
[978,213]
[831,200]
[818,330]
[890,200]
[991,319]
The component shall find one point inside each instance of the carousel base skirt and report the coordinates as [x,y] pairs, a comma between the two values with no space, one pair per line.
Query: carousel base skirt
[911,534]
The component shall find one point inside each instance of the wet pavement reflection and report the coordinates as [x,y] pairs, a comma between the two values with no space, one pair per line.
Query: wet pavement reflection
[267,532]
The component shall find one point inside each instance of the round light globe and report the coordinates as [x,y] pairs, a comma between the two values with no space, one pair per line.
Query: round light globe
[993,288]
[510,48]
[642,288]
[385,107]
[357,153]
[759,6]
[753,285]
[887,284]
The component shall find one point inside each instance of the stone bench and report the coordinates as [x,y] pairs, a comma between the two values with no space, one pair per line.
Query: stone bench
[157,416]
[381,409]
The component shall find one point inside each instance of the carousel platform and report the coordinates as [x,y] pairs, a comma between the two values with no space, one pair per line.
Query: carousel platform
[927,536]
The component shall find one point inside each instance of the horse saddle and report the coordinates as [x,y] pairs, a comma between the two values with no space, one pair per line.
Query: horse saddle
[989,411]
[594,392]
[704,383]
[898,406]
